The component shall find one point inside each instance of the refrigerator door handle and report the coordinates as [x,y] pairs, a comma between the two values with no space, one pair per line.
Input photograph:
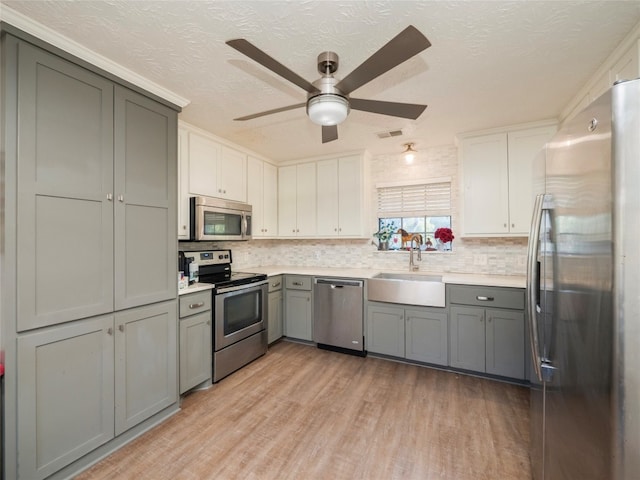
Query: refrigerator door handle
[533,284]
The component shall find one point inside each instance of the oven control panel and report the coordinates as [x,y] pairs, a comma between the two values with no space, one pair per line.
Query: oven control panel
[210,257]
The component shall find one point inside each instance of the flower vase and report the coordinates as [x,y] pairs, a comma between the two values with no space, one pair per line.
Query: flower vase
[383,245]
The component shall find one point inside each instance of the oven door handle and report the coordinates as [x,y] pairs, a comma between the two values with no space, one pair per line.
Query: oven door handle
[246,286]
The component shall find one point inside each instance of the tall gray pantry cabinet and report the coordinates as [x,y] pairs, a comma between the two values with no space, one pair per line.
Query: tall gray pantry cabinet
[89,309]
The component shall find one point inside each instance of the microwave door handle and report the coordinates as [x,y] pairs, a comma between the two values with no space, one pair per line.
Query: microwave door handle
[244,225]
[533,284]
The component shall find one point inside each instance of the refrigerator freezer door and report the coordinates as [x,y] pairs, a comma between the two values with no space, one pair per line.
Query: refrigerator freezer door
[577,404]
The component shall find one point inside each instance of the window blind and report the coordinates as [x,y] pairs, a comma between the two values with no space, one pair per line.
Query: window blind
[431,199]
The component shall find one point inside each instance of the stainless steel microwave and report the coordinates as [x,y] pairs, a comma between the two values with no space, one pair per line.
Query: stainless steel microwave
[218,219]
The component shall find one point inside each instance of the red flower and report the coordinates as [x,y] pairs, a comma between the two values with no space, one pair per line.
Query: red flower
[444,235]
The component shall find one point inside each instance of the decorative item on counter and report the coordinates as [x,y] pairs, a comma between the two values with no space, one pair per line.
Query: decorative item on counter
[194,273]
[182,281]
[429,245]
[406,238]
[444,237]
[384,235]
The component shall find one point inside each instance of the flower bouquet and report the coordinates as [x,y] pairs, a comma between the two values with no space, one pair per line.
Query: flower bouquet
[444,235]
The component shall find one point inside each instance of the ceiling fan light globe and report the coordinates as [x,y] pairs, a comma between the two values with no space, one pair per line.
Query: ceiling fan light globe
[328,109]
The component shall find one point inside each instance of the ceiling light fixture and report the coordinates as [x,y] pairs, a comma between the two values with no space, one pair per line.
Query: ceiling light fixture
[328,109]
[409,153]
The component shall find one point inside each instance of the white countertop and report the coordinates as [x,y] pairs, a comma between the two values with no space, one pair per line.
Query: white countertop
[514,281]
[196,287]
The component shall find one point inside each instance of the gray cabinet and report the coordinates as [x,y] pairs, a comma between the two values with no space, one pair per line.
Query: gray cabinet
[487,330]
[96,191]
[145,197]
[195,339]
[275,329]
[65,394]
[418,334]
[426,336]
[146,377]
[90,170]
[64,177]
[385,330]
[298,309]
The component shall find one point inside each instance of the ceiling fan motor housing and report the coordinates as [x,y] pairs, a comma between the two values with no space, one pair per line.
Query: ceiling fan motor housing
[328,63]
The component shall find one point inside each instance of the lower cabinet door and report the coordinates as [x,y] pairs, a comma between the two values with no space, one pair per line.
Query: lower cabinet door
[195,350]
[65,394]
[275,316]
[427,336]
[505,343]
[467,338]
[385,331]
[146,379]
[298,314]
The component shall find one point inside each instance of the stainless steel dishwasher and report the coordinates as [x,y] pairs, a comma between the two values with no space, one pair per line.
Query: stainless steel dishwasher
[338,315]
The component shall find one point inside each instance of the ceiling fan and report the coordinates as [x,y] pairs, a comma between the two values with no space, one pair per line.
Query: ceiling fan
[328,101]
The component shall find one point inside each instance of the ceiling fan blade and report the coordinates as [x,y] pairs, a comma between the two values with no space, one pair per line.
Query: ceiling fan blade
[402,47]
[254,53]
[269,112]
[329,133]
[395,109]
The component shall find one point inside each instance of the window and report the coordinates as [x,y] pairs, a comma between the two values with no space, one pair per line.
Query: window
[419,208]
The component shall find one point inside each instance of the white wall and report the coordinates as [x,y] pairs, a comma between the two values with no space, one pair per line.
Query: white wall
[488,255]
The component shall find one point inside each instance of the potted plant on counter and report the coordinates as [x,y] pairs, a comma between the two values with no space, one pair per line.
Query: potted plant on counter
[387,229]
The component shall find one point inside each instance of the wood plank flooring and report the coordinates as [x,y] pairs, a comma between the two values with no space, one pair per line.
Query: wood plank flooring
[304,413]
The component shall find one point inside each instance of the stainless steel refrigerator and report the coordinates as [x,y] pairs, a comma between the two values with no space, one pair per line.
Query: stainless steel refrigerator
[583,296]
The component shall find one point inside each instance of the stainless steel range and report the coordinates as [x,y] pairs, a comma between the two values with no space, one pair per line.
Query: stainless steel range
[239,311]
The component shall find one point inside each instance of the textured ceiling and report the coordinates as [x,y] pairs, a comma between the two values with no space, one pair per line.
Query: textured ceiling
[491,63]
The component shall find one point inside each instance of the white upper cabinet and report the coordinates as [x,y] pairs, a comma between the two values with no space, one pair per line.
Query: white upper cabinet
[216,170]
[297,200]
[497,180]
[262,195]
[340,197]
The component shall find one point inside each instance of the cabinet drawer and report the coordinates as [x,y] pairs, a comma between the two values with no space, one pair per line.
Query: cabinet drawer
[195,303]
[487,296]
[298,282]
[275,283]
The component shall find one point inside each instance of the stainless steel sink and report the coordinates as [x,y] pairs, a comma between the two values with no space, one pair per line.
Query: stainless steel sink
[406,288]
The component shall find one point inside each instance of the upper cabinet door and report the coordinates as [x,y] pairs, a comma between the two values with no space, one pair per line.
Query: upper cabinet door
[327,180]
[270,210]
[65,179]
[232,175]
[350,194]
[203,158]
[145,200]
[486,189]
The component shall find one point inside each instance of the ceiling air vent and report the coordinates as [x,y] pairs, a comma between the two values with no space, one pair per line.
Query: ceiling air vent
[390,133]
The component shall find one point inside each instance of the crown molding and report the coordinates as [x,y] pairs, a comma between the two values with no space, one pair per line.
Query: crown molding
[54,38]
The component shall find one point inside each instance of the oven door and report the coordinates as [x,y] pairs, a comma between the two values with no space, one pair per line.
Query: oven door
[239,313]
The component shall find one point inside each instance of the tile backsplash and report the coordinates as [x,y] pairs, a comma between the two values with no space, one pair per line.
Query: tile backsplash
[500,256]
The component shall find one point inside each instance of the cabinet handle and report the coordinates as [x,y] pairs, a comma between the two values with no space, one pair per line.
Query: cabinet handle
[513,225]
[196,305]
[294,230]
[121,198]
[121,328]
[298,284]
[110,331]
[110,196]
[505,225]
[484,299]
[208,322]
[335,229]
[489,320]
[297,231]
[274,285]
[184,227]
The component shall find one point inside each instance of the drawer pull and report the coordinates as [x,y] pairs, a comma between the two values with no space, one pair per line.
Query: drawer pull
[484,299]
[298,284]
[196,305]
[274,285]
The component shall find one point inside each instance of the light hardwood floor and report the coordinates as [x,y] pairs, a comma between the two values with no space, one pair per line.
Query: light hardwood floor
[304,413]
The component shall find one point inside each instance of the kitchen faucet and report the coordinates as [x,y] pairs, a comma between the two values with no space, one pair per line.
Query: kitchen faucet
[412,266]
